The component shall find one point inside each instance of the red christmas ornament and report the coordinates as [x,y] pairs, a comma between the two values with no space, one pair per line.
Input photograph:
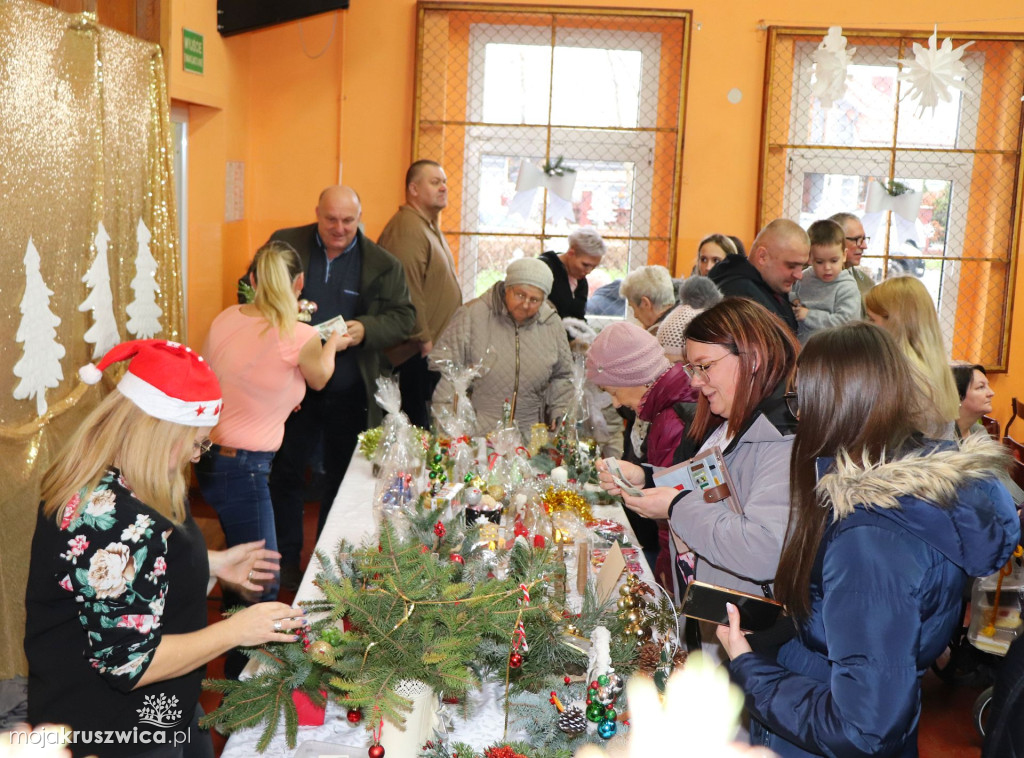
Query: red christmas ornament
[538,540]
[439,529]
[424,549]
[456,558]
[376,751]
[567,679]
[515,660]
[354,715]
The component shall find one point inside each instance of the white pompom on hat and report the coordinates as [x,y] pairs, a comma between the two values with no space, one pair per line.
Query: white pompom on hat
[165,379]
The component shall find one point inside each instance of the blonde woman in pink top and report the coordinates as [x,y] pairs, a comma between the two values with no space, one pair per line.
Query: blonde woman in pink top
[264,358]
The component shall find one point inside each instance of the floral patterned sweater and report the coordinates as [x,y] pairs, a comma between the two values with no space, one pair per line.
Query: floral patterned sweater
[104,586]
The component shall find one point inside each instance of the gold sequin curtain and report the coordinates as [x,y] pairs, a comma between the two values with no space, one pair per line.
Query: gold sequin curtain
[84,138]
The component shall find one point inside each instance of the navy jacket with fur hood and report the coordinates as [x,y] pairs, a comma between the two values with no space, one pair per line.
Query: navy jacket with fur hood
[885,597]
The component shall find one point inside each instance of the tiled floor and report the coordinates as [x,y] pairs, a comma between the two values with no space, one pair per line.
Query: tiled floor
[945,731]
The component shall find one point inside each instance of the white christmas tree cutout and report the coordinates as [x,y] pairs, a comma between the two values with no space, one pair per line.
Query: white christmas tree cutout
[39,367]
[103,332]
[144,314]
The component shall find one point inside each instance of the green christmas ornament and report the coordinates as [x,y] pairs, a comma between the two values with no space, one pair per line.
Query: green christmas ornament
[595,712]
[331,636]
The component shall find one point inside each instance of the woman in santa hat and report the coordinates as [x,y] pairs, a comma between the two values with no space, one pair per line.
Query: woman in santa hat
[116,634]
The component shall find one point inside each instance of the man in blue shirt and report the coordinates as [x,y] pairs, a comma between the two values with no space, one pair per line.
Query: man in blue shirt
[346,275]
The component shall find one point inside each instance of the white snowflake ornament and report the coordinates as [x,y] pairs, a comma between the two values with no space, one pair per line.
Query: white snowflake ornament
[934,72]
[830,61]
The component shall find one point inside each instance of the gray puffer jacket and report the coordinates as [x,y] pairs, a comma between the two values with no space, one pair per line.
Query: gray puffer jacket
[533,356]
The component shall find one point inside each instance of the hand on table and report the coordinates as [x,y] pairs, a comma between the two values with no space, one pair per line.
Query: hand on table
[732,638]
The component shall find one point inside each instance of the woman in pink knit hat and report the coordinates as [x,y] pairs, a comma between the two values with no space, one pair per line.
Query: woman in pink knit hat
[630,365]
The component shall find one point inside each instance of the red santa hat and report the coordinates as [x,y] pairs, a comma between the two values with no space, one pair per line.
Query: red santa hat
[166,380]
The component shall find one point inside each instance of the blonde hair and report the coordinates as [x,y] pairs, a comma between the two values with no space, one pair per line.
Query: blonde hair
[119,433]
[276,267]
[909,316]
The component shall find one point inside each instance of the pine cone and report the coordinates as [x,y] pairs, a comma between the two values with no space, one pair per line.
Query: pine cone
[679,659]
[649,657]
[572,721]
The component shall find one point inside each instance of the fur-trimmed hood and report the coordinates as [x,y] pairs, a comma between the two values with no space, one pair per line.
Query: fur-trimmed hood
[948,495]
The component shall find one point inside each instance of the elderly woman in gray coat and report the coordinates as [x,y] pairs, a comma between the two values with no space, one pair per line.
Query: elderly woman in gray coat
[532,365]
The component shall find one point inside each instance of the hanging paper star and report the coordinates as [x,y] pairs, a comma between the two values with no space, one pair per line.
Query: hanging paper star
[934,72]
[830,61]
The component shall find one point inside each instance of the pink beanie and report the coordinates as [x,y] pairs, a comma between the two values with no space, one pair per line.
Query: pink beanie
[624,355]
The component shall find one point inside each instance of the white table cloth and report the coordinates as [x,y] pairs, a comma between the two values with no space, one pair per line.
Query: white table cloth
[352,518]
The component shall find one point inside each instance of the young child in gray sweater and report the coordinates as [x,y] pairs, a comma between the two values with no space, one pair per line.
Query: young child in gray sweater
[827,295]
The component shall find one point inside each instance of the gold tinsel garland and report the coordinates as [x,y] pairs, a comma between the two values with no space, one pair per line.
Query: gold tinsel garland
[567,500]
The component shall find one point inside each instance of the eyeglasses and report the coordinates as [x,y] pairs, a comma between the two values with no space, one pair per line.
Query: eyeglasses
[522,297]
[201,447]
[793,403]
[700,370]
[858,240]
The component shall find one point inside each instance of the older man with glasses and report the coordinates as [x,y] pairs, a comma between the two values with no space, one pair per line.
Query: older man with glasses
[531,364]
[856,244]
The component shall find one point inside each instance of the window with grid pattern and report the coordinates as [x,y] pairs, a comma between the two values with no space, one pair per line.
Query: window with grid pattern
[957,172]
[504,86]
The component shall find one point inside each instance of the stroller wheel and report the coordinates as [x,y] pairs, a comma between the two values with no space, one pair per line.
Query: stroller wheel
[979,714]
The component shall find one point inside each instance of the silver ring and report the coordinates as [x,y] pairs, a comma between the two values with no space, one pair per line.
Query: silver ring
[250,576]
[277,625]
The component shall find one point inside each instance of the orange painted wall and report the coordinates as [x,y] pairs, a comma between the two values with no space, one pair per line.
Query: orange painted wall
[299,123]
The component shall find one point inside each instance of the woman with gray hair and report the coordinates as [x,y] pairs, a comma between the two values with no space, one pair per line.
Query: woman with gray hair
[532,365]
[569,288]
[651,294]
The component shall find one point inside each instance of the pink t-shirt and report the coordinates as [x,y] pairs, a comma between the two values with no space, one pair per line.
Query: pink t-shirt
[258,369]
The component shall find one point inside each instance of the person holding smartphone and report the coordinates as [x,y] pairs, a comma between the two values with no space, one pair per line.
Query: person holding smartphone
[741,359]
[885,528]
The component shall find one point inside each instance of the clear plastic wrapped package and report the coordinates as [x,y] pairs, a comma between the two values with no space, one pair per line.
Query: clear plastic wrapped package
[401,454]
[996,610]
[459,420]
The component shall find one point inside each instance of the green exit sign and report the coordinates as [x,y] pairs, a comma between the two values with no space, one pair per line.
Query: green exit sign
[192,49]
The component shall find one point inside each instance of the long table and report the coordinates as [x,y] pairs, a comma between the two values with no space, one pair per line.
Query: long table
[351,518]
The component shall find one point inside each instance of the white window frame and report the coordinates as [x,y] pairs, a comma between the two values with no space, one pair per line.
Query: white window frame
[910,163]
[626,146]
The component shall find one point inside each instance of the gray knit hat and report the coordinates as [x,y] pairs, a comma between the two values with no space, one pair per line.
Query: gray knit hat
[531,271]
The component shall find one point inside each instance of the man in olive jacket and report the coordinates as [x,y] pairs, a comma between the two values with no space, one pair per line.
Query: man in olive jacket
[345,275]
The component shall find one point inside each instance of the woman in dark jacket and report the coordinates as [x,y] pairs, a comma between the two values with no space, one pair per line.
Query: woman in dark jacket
[885,527]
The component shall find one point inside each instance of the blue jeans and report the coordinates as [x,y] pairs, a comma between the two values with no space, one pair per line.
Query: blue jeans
[234,483]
